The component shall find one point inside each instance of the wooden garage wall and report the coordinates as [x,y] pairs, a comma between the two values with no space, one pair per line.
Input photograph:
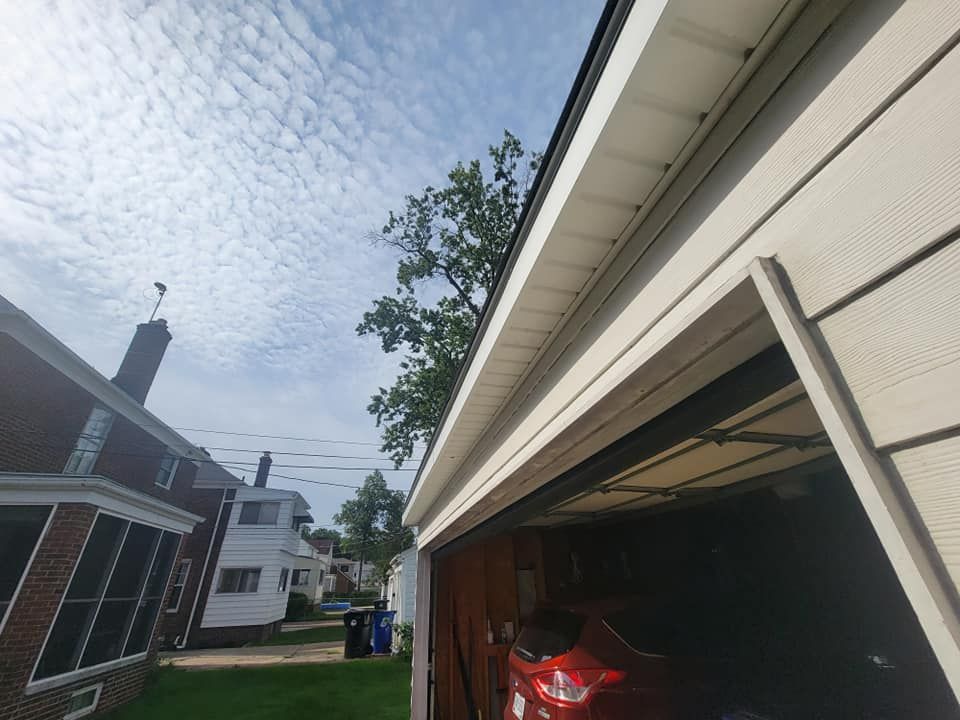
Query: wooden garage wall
[474,584]
[877,272]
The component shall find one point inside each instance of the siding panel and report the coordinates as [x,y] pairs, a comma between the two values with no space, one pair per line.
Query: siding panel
[930,473]
[894,192]
[898,349]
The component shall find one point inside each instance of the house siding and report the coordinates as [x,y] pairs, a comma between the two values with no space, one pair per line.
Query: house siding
[270,548]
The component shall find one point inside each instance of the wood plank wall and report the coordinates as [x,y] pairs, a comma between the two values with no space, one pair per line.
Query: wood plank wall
[474,584]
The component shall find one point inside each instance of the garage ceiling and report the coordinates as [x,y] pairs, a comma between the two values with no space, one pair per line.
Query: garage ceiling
[781,431]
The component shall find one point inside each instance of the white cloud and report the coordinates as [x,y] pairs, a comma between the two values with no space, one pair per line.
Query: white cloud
[240,152]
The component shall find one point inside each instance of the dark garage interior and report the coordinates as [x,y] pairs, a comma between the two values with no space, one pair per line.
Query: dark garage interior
[738,564]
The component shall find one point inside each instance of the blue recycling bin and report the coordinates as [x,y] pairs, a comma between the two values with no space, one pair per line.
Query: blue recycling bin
[383,630]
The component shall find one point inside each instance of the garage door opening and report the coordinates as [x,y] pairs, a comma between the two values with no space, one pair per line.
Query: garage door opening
[732,574]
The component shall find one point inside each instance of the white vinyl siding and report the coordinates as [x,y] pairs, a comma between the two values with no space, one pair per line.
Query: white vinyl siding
[272,548]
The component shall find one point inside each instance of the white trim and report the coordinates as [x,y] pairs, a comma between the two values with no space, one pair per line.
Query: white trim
[26,569]
[73,676]
[173,470]
[28,333]
[106,586]
[183,587]
[880,499]
[57,680]
[63,595]
[203,570]
[117,499]
[98,688]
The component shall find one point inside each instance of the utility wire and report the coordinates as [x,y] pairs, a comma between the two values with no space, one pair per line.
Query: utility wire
[300,454]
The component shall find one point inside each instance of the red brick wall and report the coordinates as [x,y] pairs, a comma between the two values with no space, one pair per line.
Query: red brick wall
[205,503]
[35,610]
[43,411]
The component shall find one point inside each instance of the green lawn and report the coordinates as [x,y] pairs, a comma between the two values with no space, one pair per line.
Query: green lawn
[320,634]
[355,690]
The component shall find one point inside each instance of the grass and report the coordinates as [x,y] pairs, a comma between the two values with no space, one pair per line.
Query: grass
[355,690]
[312,635]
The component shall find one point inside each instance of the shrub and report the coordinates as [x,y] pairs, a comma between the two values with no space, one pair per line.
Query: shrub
[403,641]
[297,606]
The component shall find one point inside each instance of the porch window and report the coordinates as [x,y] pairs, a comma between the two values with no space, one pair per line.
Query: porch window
[239,580]
[168,469]
[284,575]
[87,449]
[83,702]
[259,513]
[179,582]
[20,529]
[111,605]
[301,577]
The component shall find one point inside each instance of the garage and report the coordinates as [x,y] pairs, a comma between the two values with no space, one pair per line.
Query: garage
[738,563]
[705,441]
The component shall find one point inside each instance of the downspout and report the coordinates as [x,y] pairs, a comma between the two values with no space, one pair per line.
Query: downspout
[203,573]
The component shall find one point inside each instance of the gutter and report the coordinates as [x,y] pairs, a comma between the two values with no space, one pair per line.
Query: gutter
[604,37]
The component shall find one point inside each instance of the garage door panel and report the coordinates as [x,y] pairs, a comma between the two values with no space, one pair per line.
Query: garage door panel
[780,460]
[704,459]
[930,473]
[797,419]
[792,391]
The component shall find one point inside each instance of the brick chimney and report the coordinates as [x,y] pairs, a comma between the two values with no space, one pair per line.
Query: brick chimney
[140,364]
[263,470]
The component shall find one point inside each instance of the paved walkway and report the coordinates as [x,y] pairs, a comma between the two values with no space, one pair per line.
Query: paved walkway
[310,624]
[306,654]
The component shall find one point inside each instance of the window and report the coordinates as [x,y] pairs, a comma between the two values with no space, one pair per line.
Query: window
[179,581]
[320,578]
[111,605]
[256,513]
[83,702]
[20,530]
[282,585]
[239,580]
[345,568]
[90,442]
[301,577]
[168,469]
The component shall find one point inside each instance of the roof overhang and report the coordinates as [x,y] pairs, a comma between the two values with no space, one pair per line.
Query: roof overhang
[109,496]
[31,335]
[658,80]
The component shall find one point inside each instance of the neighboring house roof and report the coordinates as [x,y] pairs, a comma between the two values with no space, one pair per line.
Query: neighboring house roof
[213,475]
[31,335]
[323,545]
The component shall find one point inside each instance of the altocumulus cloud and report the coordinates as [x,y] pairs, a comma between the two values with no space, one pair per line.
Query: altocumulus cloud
[241,152]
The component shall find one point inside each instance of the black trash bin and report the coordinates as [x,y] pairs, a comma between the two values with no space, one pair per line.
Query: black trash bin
[359,625]
[380,604]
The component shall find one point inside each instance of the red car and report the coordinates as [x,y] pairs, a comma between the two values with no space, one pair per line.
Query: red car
[604,661]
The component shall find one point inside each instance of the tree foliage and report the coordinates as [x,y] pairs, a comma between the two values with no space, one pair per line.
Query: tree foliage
[373,530]
[322,533]
[450,241]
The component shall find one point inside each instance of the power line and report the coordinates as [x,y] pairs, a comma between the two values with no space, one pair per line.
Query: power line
[278,437]
[300,454]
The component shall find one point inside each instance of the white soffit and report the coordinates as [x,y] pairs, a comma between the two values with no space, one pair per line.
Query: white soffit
[669,66]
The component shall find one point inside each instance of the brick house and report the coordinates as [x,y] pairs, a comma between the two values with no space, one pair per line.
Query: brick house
[94,497]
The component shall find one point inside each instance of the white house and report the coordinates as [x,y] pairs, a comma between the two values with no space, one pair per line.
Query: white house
[256,562]
[400,590]
[309,571]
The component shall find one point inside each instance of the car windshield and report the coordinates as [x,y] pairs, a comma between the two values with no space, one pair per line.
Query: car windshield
[547,634]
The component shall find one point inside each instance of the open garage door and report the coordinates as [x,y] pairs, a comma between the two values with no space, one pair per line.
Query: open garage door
[716,562]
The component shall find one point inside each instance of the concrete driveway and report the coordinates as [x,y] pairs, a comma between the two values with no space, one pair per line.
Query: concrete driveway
[305,654]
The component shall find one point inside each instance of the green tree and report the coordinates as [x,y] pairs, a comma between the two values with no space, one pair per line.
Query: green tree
[373,530]
[450,241]
[322,533]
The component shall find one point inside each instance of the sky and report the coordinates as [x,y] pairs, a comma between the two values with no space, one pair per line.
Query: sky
[241,153]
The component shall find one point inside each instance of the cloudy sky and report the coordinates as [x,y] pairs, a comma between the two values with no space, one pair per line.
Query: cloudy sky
[240,152]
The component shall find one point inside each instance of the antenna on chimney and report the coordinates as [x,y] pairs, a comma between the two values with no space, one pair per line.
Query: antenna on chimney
[161,291]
